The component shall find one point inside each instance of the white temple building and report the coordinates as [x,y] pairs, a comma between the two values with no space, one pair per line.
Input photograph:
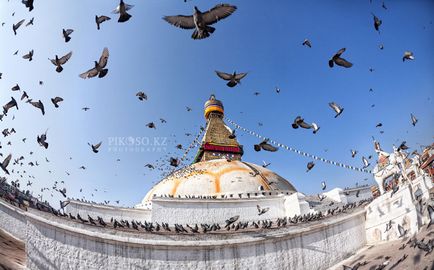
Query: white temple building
[221,212]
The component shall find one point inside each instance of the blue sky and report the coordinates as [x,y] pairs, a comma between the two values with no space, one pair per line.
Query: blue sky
[262,38]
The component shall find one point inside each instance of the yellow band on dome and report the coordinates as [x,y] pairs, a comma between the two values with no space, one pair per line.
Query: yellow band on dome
[213,108]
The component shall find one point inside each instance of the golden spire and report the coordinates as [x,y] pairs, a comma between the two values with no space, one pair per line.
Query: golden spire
[218,142]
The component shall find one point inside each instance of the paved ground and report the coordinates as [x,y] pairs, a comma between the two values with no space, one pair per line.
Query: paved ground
[12,253]
[390,253]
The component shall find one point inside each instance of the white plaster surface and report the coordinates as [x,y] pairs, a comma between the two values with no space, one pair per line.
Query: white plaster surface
[187,211]
[107,212]
[57,243]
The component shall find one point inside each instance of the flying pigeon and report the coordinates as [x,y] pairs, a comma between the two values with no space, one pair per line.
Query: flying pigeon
[315,128]
[99,67]
[336,59]
[262,211]
[174,162]
[95,147]
[377,22]
[379,125]
[383,5]
[277,89]
[299,122]
[265,146]
[233,78]
[28,4]
[150,166]
[200,21]
[9,105]
[307,43]
[365,163]
[58,62]
[5,163]
[407,56]
[121,9]
[29,55]
[42,140]
[310,166]
[56,100]
[66,34]
[30,22]
[16,88]
[142,96]
[403,146]
[338,109]
[323,185]
[17,25]
[353,153]
[413,120]
[85,109]
[265,164]
[232,135]
[151,125]
[38,105]
[100,19]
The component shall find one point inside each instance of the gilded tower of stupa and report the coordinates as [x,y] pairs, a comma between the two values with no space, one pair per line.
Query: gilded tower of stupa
[217,143]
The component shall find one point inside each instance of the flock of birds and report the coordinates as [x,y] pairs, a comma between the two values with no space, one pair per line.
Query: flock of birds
[202,24]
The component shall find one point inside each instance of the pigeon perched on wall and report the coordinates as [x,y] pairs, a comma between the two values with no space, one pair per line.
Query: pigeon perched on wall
[336,59]
[29,55]
[121,9]
[407,56]
[338,109]
[430,215]
[233,78]
[401,231]
[100,19]
[264,145]
[99,68]
[95,147]
[58,62]
[17,25]
[66,34]
[200,21]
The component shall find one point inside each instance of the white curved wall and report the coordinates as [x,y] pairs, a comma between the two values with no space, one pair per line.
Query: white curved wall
[54,243]
[107,212]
